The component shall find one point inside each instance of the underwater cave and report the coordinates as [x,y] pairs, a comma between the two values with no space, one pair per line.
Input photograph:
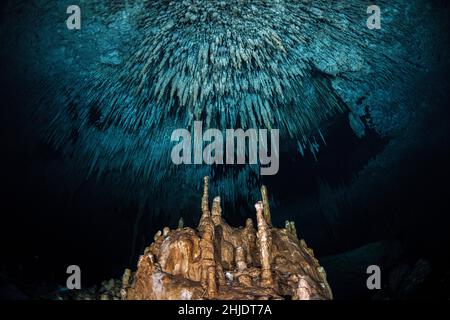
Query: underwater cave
[363,155]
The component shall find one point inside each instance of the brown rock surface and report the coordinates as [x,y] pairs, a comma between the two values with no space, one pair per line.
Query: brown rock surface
[217,261]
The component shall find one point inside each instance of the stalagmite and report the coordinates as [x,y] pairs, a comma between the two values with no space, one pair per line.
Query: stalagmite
[125,283]
[208,260]
[265,244]
[216,212]
[240,259]
[249,234]
[157,235]
[265,202]
[181,223]
[205,197]
[293,228]
[205,205]
[290,226]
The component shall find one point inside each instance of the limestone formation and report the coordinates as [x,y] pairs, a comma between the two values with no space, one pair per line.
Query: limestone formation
[265,246]
[144,68]
[217,261]
[265,202]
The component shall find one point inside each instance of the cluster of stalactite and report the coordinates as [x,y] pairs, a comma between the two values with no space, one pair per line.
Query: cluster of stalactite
[217,261]
[231,64]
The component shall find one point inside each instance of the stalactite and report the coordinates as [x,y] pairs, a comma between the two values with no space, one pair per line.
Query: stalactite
[231,64]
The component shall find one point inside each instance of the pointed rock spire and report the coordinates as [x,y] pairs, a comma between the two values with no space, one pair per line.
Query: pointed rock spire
[205,197]
[205,204]
[265,246]
[216,211]
[265,201]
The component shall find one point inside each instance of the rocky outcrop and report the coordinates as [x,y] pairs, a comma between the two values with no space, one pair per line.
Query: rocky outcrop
[217,261]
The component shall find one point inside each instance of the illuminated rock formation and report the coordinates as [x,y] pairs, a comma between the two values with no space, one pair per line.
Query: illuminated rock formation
[217,261]
[141,69]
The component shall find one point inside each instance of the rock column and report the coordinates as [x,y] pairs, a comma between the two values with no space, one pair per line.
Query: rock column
[265,244]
